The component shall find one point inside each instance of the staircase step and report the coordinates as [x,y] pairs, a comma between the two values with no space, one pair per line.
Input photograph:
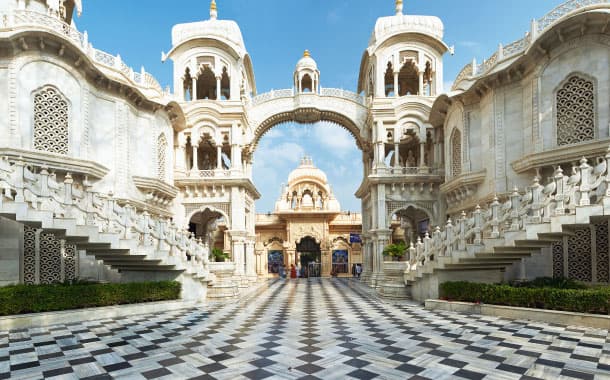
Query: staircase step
[120,257]
[535,243]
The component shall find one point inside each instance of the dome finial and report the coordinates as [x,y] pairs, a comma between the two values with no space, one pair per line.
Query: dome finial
[398,7]
[213,10]
[306,53]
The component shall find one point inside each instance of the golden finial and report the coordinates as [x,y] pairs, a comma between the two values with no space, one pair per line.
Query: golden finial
[213,10]
[398,7]
[306,53]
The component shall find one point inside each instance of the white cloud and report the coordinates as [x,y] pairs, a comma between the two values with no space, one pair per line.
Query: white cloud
[447,86]
[274,133]
[337,140]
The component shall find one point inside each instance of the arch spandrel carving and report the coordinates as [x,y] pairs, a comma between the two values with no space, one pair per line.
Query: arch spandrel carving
[348,113]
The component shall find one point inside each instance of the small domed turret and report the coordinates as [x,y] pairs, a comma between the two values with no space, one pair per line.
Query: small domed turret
[306,74]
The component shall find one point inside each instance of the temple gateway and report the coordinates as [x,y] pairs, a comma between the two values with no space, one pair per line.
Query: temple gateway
[106,176]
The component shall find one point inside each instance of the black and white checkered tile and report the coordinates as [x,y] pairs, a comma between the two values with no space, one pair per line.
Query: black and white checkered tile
[308,329]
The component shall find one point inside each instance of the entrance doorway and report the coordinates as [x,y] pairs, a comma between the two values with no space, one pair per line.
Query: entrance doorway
[310,256]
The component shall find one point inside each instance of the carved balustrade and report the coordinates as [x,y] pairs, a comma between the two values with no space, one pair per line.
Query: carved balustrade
[28,19]
[537,204]
[521,45]
[73,198]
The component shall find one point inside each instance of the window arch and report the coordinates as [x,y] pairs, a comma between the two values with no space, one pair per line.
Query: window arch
[575,105]
[456,153]
[408,79]
[225,84]
[51,115]
[206,84]
[161,156]
[388,80]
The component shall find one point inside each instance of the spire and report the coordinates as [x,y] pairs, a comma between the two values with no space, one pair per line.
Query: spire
[398,7]
[213,10]
[306,53]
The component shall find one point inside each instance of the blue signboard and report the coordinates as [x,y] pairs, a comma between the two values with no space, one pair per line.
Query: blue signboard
[355,238]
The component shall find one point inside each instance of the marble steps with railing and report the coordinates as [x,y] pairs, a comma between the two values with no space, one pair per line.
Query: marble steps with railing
[502,253]
[106,246]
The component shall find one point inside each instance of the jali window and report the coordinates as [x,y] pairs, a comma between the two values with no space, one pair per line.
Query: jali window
[51,114]
[575,111]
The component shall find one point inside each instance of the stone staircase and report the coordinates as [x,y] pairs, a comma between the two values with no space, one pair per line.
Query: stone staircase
[480,247]
[139,245]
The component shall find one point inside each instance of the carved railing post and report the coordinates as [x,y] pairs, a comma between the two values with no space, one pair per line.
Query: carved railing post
[436,242]
[146,228]
[19,180]
[584,188]
[412,252]
[129,210]
[495,207]
[515,206]
[607,180]
[478,225]
[427,245]
[462,232]
[449,238]
[88,199]
[559,179]
[536,191]
[68,183]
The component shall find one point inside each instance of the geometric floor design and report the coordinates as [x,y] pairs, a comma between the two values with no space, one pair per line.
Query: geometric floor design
[306,329]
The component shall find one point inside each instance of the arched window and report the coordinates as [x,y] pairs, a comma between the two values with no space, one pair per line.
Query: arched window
[51,114]
[456,153]
[161,156]
[225,85]
[306,83]
[408,79]
[575,111]
[188,85]
[389,80]
[428,80]
[206,84]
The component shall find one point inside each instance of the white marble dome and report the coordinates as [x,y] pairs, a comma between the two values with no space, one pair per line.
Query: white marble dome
[225,31]
[307,62]
[307,170]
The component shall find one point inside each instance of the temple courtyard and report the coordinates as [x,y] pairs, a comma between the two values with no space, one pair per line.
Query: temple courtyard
[308,329]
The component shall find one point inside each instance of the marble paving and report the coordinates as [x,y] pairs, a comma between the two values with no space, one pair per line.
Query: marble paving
[306,329]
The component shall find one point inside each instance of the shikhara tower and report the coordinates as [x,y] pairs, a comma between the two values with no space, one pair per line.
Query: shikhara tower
[106,175]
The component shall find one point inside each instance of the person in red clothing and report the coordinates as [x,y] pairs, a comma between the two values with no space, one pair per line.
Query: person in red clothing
[293,271]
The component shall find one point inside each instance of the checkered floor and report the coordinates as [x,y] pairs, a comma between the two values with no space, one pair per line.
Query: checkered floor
[308,329]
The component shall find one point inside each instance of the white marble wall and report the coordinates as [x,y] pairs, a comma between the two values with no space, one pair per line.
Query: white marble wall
[11,251]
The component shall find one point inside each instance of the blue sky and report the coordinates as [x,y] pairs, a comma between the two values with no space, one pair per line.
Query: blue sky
[277,31]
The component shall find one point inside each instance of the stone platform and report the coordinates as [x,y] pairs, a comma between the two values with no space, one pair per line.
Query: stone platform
[318,328]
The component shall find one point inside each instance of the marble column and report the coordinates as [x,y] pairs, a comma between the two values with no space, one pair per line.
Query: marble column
[250,261]
[194,90]
[421,83]
[395,84]
[218,92]
[195,158]
[219,157]
[238,256]
[422,154]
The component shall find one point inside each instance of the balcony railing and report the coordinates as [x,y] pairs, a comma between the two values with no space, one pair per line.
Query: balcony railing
[25,19]
[474,70]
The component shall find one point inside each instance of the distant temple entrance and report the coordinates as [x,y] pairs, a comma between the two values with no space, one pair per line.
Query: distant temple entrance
[310,256]
[307,229]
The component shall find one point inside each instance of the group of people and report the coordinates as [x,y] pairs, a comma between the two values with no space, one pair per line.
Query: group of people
[295,271]
[298,271]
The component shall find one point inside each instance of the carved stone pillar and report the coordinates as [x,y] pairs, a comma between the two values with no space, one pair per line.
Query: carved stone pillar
[395,84]
[422,154]
[194,90]
[396,155]
[218,92]
[420,90]
[195,158]
[250,260]
[219,156]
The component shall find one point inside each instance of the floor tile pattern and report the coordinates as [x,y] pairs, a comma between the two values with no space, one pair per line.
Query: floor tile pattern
[306,329]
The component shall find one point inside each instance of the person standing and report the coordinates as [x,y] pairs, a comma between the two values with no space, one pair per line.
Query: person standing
[358,270]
